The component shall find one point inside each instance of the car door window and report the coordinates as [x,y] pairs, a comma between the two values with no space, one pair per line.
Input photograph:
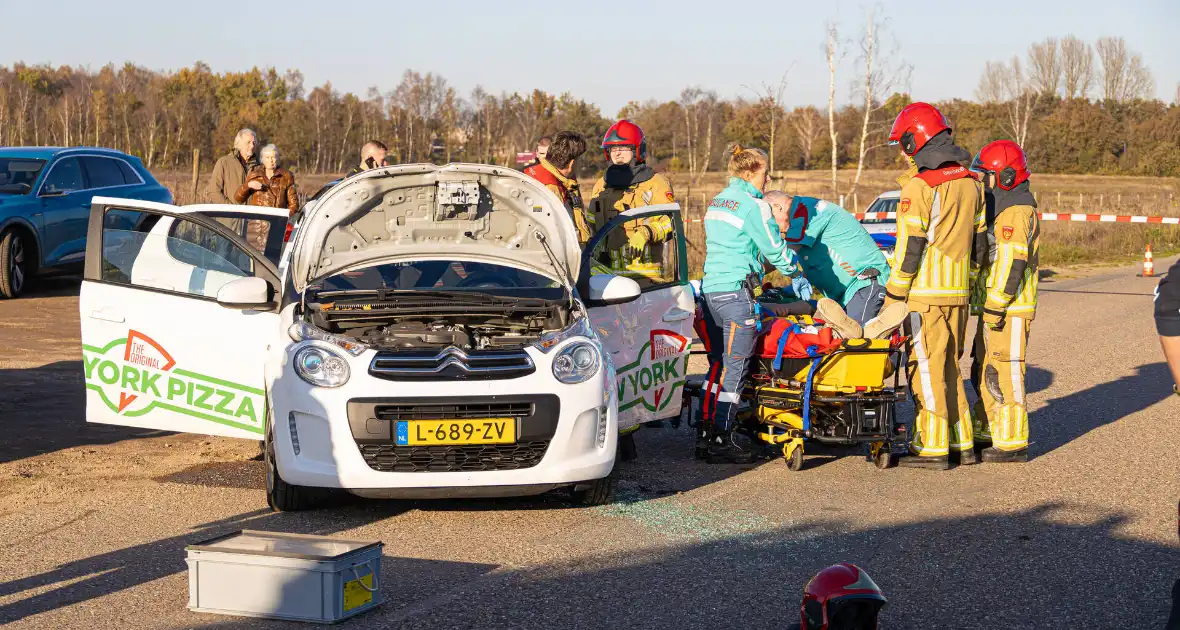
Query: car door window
[655,265]
[145,250]
[64,178]
[129,174]
[264,234]
[102,172]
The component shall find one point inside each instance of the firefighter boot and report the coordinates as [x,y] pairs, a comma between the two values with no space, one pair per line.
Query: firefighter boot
[993,455]
[937,462]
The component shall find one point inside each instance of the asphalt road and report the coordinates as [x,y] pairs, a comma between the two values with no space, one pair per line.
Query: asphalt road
[94,520]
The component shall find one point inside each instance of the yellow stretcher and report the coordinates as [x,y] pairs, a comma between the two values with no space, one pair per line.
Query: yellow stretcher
[846,397]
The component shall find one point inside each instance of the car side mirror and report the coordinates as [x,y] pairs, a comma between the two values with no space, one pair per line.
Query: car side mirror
[609,289]
[242,293]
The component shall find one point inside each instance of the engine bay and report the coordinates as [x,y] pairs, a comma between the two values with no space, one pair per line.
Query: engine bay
[421,320]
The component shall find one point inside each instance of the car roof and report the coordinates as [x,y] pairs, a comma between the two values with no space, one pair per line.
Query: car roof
[46,153]
[890,194]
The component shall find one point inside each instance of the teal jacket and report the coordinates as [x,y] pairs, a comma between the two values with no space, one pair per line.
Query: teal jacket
[739,232]
[834,249]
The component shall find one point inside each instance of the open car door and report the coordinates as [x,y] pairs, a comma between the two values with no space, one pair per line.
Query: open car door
[648,339]
[178,311]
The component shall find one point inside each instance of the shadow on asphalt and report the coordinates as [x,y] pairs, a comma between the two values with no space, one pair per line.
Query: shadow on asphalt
[1063,420]
[54,286]
[1037,379]
[44,410]
[1055,565]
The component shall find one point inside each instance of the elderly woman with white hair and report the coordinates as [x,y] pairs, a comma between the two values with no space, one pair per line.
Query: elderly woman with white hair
[229,173]
[269,185]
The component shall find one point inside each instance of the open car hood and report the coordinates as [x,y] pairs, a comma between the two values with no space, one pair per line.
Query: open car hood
[422,210]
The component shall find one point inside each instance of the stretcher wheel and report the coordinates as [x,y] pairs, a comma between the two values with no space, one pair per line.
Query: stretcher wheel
[884,458]
[795,459]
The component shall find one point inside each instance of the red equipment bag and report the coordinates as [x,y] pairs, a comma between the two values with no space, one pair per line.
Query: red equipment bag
[798,345]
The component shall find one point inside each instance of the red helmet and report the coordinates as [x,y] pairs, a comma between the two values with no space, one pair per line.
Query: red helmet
[625,134]
[1006,160]
[841,597]
[916,125]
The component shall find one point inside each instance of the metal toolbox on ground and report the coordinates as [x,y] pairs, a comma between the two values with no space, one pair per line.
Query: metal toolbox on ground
[284,576]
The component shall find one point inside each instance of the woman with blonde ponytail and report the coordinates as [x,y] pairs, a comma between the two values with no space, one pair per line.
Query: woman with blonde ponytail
[740,232]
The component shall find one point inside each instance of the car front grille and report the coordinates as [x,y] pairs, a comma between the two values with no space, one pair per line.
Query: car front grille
[484,457]
[373,422]
[451,363]
[397,412]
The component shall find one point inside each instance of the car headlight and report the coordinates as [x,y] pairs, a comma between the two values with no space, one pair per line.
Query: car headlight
[321,366]
[576,362]
[579,328]
[302,331]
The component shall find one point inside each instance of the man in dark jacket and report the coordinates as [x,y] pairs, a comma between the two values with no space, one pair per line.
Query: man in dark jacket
[229,173]
[373,155]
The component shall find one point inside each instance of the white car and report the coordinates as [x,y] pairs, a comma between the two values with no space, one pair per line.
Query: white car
[435,332]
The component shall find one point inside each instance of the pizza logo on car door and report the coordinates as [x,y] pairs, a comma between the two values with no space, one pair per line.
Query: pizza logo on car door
[656,373]
[135,376]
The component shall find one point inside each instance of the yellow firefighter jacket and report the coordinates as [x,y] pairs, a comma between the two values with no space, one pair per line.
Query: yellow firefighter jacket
[937,217]
[606,203]
[1007,279]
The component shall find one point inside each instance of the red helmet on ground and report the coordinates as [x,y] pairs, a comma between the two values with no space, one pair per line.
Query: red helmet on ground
[916,125]
[1006,160]
[841,597]
[625,134]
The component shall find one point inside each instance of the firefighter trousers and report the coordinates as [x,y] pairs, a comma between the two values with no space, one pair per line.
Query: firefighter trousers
[942,419]
[997,373]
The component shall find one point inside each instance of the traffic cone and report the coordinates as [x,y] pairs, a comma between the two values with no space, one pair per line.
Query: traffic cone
[1148,264]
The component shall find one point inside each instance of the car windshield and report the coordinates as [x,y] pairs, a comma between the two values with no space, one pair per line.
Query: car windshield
[17,175]
[444,276]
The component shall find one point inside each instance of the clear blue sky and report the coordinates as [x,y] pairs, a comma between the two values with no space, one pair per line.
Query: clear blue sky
[605,51]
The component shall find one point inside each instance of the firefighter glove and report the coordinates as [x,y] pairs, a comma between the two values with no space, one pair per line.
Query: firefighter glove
[638,238]
[993,320]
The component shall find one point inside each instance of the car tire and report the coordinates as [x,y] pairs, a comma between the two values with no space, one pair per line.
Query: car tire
[282,496]
[597,492]
[14,264]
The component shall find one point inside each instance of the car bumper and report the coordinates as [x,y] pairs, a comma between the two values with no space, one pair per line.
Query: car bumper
[329,455]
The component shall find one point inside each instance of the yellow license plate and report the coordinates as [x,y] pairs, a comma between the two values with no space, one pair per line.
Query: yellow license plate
[472,431]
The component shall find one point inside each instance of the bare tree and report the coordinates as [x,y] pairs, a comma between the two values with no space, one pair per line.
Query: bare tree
[1175,99]
[700,109]
[771,101]
[992,83]
[1124,75]
[880,77]
[834,54]
[1008,85]
[1044,66]
[1077,67]
[808,126]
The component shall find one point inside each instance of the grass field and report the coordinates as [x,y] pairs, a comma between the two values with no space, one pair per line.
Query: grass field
[1062,243]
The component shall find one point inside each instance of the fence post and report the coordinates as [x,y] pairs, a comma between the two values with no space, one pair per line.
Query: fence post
[196,171]
[1058,199]
[704,205]
[855,204]
[1101,200]
[841,204]
[1120,198]
[1081,200]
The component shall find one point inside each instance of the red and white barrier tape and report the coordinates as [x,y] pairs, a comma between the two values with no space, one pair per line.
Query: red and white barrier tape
[1045,216]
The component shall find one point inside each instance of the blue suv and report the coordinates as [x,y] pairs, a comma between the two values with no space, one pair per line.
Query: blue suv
[45,195]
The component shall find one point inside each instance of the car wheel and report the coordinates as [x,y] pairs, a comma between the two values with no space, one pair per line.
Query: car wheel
[282,496]
[14,264]
[597,492]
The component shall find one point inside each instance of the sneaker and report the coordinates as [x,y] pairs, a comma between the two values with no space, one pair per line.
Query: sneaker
[831,312]
[929,463]
[734,448]
[993,455]
[887,321]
